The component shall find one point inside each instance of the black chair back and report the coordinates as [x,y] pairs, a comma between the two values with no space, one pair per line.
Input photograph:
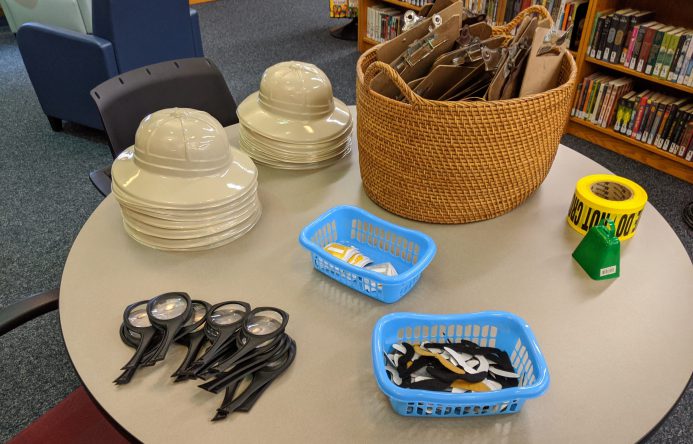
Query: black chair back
[126,99]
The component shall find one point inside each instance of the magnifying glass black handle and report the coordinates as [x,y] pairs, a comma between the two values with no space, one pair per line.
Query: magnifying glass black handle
[260,378]
[194,341]
[250,402]
[224,379]
[245,407]
[213,353]
[224,366]
[146,335]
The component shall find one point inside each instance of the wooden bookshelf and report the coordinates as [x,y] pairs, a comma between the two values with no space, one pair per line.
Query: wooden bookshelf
[631,148]
[670,12]
[640,75]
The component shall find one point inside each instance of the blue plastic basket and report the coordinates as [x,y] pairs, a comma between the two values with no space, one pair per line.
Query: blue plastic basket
[499,329]
[407,250]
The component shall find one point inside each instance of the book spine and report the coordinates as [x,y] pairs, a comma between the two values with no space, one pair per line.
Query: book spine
[597,102]
[670,144]
[608,96]
[686,62]
[595,38]
[590,45]
[655,124]
[689,73]
[586,98]
[631,45]
[613,107]
[610,36]
[642,105]
[627,112]
[615,53]
[646,120]
[604,35]
[676,120]
[666,129]
[679,55]
[677,143]
[671,49]
[636,49]
[686,139]
[581,102]
[662,55]
[593,96]
[619,115]
[652,59]
[635,104]
[645,50]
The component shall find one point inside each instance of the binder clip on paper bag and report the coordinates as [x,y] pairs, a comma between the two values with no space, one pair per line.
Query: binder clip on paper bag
[599,253]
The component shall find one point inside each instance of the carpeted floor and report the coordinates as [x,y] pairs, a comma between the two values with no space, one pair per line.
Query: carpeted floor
[47,195]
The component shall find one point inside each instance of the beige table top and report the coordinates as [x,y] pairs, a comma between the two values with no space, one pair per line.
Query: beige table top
[618,351]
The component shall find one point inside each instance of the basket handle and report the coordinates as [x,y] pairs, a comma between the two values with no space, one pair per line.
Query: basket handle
[377,67]
[512,24]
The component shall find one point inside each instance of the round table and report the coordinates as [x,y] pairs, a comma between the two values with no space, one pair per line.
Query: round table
[618,351]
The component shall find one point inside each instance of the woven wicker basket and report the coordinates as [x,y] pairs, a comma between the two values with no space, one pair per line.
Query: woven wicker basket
[456,162]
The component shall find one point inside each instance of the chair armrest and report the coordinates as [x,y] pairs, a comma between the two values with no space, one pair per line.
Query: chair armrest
[27,309]
[8,16]
[63,67]
[102,180]
[197,37]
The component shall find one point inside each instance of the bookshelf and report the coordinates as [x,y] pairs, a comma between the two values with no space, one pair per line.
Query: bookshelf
[669,12]
[365,43]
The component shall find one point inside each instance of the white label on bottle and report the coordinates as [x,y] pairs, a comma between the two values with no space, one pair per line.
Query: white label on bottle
[607,271]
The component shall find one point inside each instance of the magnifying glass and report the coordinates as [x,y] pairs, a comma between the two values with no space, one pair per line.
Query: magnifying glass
[136,321]
[193,336]
[261,379]
[222,322]
[260,326]
[168,312]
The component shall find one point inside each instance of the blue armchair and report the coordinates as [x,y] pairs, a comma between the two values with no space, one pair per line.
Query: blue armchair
[65,65]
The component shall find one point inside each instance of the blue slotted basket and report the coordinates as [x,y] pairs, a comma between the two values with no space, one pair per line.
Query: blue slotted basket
[499,329]
[409,251]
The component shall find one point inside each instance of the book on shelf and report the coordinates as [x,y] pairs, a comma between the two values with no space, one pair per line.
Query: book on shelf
[614,25]
[344,8]
[633,38]
[657,41]
[648,116]
[563,14]
[634,20]
[621,23]
[674,39]
[384,22]
[680,56]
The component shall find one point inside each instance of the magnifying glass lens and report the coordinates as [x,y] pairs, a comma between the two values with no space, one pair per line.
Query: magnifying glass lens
[169,307]
[138,316]
[228,314]
[199,312]
[264,323]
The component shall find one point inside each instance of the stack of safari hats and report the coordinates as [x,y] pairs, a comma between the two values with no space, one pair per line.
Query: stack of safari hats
[182,187]
[293,121]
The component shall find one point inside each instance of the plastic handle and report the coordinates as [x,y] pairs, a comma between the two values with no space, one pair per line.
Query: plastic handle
[377,67]
[512,24]
[610,227]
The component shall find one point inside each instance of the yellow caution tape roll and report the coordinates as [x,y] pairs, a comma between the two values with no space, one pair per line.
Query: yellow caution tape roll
[606,196]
